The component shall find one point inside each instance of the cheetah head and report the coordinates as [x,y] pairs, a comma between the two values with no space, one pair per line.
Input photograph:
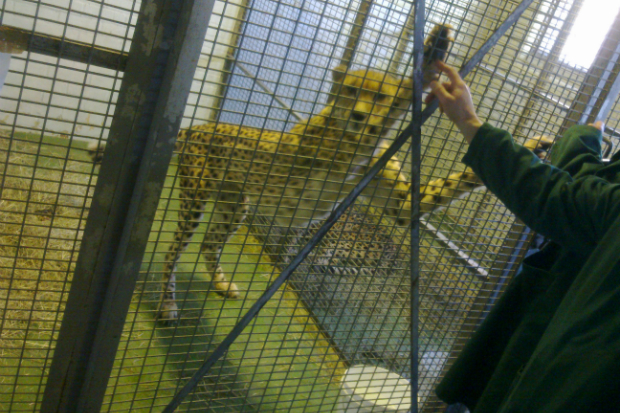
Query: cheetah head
[371,101]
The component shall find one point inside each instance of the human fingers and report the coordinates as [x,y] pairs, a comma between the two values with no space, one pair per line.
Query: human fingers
[440,90]
[599,124]
[451,72]
[429,98]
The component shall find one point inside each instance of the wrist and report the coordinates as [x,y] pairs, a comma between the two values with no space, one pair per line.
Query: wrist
[470,127]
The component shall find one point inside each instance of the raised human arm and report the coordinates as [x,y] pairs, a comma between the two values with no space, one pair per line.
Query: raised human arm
[455,101]
[573,212]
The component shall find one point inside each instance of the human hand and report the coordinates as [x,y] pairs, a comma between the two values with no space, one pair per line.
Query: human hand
[599,124]
[455,101]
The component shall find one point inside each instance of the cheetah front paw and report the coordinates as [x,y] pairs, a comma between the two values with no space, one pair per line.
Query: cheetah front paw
[168,311]
[227,289]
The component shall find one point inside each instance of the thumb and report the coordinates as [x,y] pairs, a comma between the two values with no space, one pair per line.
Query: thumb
[599,124]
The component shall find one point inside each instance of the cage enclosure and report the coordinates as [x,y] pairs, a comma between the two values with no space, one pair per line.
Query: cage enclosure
[109,304]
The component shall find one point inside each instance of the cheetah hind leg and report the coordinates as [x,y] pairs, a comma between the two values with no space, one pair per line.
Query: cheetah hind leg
[190,214]
[229,212]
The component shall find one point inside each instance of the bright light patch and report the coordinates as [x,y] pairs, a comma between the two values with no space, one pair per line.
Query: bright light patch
[592,24]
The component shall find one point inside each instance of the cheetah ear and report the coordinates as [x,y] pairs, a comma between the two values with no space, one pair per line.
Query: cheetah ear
[339,73]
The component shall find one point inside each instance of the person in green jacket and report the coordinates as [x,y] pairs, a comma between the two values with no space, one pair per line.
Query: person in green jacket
[552,341]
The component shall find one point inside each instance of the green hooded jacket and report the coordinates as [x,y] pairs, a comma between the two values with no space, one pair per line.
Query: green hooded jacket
[552,341]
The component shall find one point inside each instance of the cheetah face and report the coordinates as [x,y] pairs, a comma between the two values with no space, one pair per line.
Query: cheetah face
[369,101]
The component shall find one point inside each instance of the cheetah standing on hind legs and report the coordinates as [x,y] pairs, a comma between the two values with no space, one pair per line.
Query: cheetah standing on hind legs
[297,177]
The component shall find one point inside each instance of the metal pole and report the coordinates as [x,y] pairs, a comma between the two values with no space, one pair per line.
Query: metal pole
[353,41]
[165,49]
[415,149]
[595,91]
[402,42]
[229,64]
[65,49]
[354,38]
[552,60]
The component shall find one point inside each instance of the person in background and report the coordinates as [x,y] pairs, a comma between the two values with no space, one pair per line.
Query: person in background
[552,341]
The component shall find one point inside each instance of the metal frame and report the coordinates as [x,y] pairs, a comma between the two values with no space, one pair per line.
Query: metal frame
[415,151]
[64,49]
[167,43]
[117,231]
[601,85]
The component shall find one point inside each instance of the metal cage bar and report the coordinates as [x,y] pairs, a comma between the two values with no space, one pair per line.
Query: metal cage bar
[61,48]
[508,247]
[600,86]
[167,43]
[471,253]
[415,151]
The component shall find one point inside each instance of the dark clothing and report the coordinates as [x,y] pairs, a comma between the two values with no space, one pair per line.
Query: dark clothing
[552,341]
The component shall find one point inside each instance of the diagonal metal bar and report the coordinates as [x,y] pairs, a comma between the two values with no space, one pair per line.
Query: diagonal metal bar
[458,254]
[265,88]
[166,46]
[484,49]
[303,253]
[334,216]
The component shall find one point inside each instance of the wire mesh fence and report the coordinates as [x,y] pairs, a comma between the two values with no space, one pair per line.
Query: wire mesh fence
[265,67]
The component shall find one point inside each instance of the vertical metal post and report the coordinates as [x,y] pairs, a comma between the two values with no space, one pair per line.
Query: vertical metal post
[165,49]
[361,17]
[229,64]
[597,90]
[354,38]
[415,149]
[405,34]
[552,60]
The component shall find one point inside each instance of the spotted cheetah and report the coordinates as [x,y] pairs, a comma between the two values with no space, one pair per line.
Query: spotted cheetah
[297,177]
